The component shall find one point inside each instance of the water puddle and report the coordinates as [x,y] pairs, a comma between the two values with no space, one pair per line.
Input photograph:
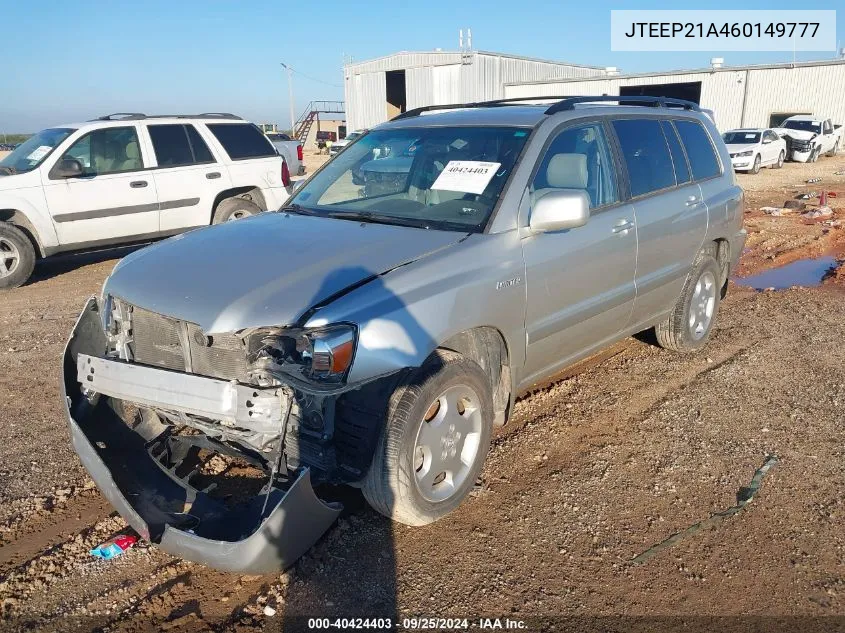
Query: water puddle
[804,272]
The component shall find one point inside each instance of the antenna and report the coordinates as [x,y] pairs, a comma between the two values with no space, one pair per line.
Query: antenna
[469,39]
[461,40]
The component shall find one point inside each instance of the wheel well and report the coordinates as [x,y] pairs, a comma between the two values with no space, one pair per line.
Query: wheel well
[486,346]
[723,257]
[253,194]
[18,219]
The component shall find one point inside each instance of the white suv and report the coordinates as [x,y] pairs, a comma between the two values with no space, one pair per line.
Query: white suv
[130,177]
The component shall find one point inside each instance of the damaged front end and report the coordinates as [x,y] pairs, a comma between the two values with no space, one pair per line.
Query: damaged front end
[199,445]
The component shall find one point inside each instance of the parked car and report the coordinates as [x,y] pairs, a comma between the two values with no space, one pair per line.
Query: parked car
[340,144]
[376,340]
[128,178]
[808,137]
[291,150]
[751,149]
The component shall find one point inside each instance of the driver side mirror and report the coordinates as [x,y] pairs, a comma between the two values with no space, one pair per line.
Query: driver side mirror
[68,168]
[560,210]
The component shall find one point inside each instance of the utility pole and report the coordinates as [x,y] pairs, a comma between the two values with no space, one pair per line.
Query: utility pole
[290,97]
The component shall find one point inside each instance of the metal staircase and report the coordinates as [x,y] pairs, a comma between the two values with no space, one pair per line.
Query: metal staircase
[312,113]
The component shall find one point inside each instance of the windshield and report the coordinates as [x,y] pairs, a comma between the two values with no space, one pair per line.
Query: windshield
[806,126]
[739,138]
[438,177]
[34,150]
[352,136]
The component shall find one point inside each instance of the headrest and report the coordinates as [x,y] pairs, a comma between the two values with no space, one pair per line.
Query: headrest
[567,171]
[132,152]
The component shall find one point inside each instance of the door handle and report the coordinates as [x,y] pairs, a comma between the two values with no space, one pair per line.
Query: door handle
[138,184]
[212,175]
[693,201]
[623,226]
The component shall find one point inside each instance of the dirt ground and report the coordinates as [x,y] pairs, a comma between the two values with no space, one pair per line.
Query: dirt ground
[592,471]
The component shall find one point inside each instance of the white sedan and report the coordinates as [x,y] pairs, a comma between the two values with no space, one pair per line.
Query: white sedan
[751,149]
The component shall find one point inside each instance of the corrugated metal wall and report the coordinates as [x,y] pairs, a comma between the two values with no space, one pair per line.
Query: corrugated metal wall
[439,78]
[816,89]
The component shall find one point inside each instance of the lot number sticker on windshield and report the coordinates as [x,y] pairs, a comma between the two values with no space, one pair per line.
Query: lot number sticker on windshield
[467,176]
[39,152]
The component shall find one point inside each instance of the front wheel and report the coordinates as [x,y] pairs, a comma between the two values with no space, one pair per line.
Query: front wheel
[688,326]
[781,158]
[756,168]
[434,443]
[17,256]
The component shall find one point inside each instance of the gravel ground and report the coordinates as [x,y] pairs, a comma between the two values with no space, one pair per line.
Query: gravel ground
[634,446]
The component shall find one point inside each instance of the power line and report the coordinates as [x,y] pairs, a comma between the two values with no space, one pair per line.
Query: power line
[319,81]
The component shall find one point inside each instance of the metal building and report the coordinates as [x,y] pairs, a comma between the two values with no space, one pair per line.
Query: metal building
[378,89]
[740,96]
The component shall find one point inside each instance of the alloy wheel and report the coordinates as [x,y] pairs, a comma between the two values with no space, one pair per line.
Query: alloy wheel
[702,305]
[10,257]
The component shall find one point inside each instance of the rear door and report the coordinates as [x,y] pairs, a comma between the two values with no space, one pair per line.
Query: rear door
[670,213]
[114,199]
[580,282]
[187,175]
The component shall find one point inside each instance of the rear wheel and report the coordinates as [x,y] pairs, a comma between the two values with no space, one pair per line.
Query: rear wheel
[434,443]
[17,256]
[234,209]
[834,150]
[689,325]
[756,168]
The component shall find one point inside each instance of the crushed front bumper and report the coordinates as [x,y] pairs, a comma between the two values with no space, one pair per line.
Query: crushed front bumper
[265,534]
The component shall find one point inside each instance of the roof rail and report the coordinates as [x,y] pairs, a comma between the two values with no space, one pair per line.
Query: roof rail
[562,104]
[569,103]
[139,116]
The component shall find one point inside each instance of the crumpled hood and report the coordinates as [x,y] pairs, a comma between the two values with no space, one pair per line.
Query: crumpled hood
[264,271]
[803,135]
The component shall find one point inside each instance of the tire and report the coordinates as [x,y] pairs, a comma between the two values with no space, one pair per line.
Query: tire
[781,158]
[756,168]
[234,209]
[834,150]
[683,331]
[402,482]
[17,256]
[814,155]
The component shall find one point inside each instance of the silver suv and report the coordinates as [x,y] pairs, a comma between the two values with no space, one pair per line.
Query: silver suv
[374,330]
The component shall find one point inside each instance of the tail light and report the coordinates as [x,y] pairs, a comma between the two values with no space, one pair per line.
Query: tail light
[285,174]
[299,152]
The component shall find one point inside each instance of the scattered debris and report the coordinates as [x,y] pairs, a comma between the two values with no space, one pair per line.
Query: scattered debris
[744,496]
[269,611]
[820,212]
[841,172]
[833,223]
[114,547]
[810,181]
[794,204]
[807,196]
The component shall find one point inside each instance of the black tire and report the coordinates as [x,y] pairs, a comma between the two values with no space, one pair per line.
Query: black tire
[781,158]
[390,485]
[834,149]
[675,332]
[756,168]
[234,209]
[814,155]
[17,256]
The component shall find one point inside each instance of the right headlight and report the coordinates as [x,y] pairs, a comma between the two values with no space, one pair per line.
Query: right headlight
[322,355]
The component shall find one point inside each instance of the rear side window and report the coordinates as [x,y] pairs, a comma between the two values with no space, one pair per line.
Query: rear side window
[678,158]
[702,156]
[646,155]
[242,140]
[177,145]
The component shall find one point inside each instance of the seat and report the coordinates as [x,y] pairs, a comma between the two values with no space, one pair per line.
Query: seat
[564,171]
[132,160]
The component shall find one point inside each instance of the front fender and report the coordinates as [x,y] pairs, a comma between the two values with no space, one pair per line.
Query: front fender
[32,204]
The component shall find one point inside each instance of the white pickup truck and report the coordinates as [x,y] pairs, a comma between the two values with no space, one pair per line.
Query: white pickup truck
[289,149]
[808,137]
[128,178]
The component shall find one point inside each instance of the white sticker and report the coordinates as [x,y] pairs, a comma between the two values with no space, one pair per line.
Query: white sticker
[39,153]
[467,176]
[751,136]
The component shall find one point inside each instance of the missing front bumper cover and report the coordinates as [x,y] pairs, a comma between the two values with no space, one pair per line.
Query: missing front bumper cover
[263,533]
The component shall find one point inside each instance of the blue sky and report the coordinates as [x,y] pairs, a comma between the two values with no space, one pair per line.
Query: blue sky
[67,61]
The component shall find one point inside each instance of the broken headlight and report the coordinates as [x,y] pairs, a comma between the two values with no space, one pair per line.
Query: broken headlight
[316,354]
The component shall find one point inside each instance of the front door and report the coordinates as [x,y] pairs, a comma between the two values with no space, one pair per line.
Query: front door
[580,282]
[114,198]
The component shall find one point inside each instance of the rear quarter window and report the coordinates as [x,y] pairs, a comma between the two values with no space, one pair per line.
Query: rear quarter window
[646,155]
[242,140]
[700,150]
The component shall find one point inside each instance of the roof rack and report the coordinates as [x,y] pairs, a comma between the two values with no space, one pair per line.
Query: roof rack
[562,104]
[139,116]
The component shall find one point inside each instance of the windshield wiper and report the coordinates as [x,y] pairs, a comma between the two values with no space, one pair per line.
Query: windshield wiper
[295,208]
[10,170]
[377,218]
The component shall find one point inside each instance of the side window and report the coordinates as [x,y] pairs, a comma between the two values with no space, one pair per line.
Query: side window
[177,145]
[646,155]
[828,127]
[242,140]
[702,156]
[110,150]
[678,159]
[578,158]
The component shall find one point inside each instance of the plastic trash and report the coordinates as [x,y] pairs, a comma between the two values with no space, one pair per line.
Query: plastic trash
[114,547]
[812,180]
[820,212]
